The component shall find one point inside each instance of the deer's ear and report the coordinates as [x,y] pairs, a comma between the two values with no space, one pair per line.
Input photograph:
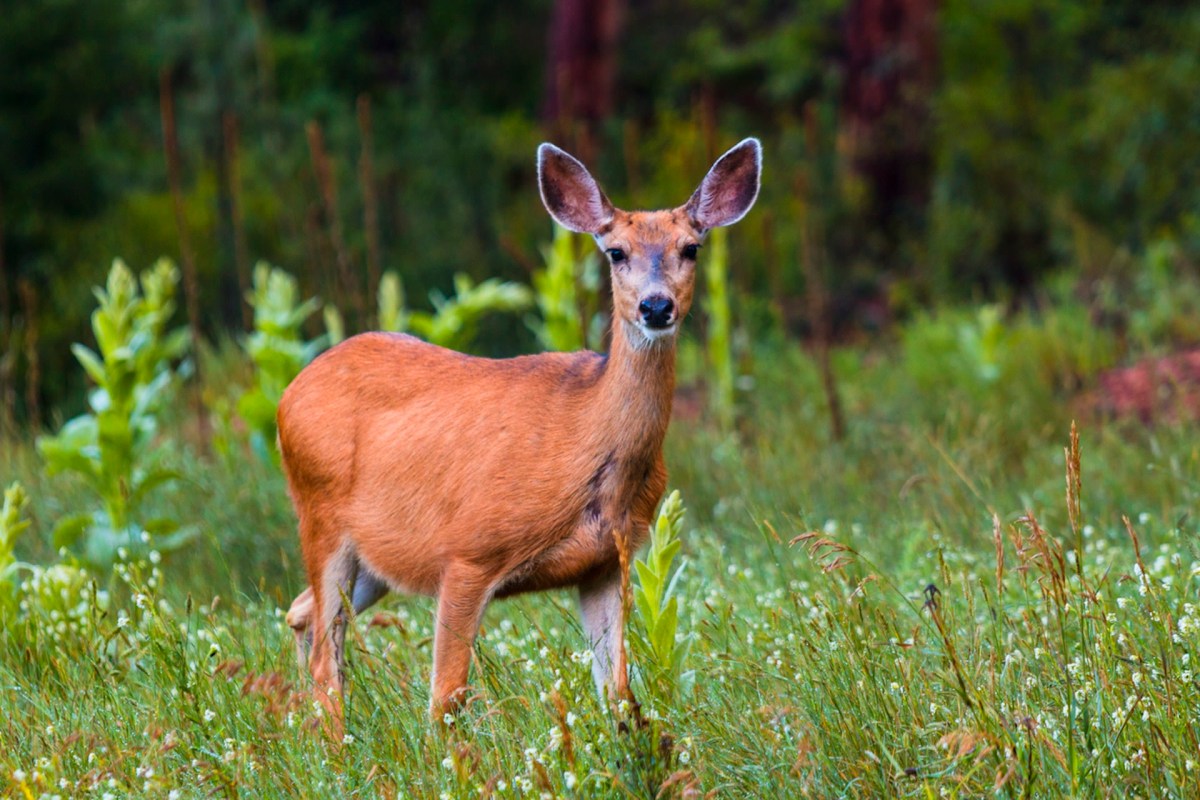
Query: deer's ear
[570,193]
[730,187]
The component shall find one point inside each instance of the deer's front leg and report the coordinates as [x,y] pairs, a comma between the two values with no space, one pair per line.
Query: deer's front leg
[601,612]
[461,600]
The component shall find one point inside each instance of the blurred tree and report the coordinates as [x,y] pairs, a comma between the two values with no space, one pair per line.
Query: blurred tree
[890,71]
[581,68]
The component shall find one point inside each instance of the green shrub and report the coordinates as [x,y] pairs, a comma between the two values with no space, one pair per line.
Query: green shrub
[720,337]
[54,599]
[568,278]
[661,653]
[278,351]
[455,320]
[110,446]
[12,524]
[393,314]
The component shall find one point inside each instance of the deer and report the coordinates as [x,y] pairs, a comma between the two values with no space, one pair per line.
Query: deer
[418,469]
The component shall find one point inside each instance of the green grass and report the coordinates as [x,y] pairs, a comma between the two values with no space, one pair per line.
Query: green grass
[863,627]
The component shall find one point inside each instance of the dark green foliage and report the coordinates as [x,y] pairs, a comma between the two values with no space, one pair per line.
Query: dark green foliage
[111,447]
[1032,122]
[277,350]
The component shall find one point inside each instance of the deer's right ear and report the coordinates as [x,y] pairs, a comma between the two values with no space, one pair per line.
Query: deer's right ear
[730,187]
[570,193]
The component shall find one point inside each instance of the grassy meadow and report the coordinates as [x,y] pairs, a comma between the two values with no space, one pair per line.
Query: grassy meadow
[953,601]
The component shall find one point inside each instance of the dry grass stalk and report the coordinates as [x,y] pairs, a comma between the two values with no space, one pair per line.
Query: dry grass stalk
[191,284]
[999,541]
[241,259]
[621,690]
[327,187]
[33,363]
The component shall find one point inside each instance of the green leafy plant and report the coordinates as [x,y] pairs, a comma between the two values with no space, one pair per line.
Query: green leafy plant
[278,350]
[12,524]
[720,338]
[662,653]
[393,314]
[455,320]
[569,278]
[56,595]
[110,446]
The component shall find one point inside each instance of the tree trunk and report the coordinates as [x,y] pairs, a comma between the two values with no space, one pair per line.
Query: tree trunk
[891,67]
[581,70]
[241,259]
[191,283]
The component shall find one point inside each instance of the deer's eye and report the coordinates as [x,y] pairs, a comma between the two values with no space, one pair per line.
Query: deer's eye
[616,254]
[689,251]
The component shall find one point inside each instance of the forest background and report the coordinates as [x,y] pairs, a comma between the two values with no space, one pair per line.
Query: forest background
[917,152]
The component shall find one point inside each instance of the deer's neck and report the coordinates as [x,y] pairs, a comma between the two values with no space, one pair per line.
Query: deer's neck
[635,393]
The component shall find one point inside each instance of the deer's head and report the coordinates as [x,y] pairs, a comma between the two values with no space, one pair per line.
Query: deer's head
[652,253]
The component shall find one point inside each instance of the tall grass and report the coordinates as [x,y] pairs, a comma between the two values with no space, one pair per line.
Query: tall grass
[961,599]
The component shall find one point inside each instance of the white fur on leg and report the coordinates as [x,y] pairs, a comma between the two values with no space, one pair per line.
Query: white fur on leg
[600,610]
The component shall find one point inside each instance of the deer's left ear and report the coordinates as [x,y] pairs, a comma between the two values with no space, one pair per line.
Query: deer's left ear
[729,189]
[570,193]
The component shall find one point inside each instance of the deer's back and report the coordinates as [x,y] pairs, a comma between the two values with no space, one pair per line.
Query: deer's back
[422,454]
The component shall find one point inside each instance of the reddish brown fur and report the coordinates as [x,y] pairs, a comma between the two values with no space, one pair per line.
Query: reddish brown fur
[470,478]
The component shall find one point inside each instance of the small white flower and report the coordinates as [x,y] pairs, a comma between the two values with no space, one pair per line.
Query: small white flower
[448,763]
[19,775]
[448,718]
[569,779]
[348,739]
[209,715]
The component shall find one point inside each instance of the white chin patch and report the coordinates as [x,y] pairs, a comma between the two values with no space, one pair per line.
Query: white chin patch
[641,336]
[658,333]
[653,336]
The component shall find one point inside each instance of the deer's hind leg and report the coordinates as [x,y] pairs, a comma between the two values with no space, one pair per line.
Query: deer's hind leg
[330,582]
[369,589]
[462,597]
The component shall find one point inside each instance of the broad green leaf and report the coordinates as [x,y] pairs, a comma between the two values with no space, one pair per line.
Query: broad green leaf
[69,529]
[91,363]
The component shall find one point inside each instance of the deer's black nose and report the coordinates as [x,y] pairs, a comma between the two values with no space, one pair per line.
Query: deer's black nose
[657,311]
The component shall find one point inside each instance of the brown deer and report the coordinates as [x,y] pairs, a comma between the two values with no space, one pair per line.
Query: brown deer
[418,469]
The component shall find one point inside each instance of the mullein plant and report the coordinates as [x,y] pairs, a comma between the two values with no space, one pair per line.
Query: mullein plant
[12,524]
[111,446]
[55,598]
[454,322]
[720,336]
[566,293]
[660,653]
[278,351]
